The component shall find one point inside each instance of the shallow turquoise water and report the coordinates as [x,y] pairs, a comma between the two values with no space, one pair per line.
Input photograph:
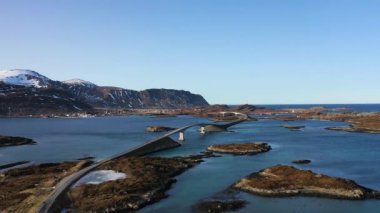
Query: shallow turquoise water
[351,155]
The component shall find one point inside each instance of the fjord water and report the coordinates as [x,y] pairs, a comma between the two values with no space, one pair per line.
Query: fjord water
[350,155]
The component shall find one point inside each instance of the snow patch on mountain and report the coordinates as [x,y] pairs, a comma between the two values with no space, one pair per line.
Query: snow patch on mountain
[21,77]
[80,82]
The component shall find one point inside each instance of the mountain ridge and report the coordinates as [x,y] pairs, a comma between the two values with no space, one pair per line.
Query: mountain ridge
[76,95]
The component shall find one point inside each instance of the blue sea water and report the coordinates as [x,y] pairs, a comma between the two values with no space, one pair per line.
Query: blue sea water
[350,155]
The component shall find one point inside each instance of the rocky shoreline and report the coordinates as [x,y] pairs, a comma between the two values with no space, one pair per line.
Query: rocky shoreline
[10,165]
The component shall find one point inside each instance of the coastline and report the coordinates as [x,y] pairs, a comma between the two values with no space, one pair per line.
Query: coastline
[272,113]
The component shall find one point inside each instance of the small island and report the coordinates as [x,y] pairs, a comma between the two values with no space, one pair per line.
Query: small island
[285,118]
[283,181]
[360,122]
[240,148]
[293,127]
[227,118]
[15,141]
[159,129]
[353,128]
[216,206]
[303,161]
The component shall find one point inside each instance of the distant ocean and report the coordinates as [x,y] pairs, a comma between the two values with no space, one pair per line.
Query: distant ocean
[350,107]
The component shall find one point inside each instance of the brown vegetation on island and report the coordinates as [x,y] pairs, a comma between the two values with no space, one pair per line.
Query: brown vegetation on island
[288,181]
[147,180]
[240,148]
[25,189]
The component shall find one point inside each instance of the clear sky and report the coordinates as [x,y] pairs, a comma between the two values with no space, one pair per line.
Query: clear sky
[235,51]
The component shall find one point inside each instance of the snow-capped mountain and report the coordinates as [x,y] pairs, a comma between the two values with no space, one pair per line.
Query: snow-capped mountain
[27,91]
[22,77]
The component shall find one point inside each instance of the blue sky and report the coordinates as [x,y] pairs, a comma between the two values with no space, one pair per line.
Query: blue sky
[260,52]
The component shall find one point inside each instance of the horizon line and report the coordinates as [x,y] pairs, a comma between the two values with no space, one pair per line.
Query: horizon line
[303,104]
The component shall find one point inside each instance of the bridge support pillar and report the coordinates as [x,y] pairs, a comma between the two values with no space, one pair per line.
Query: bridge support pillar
[181,136]
[202,130]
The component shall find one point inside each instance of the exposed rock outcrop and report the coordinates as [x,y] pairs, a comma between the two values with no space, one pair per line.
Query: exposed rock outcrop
[116,97]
